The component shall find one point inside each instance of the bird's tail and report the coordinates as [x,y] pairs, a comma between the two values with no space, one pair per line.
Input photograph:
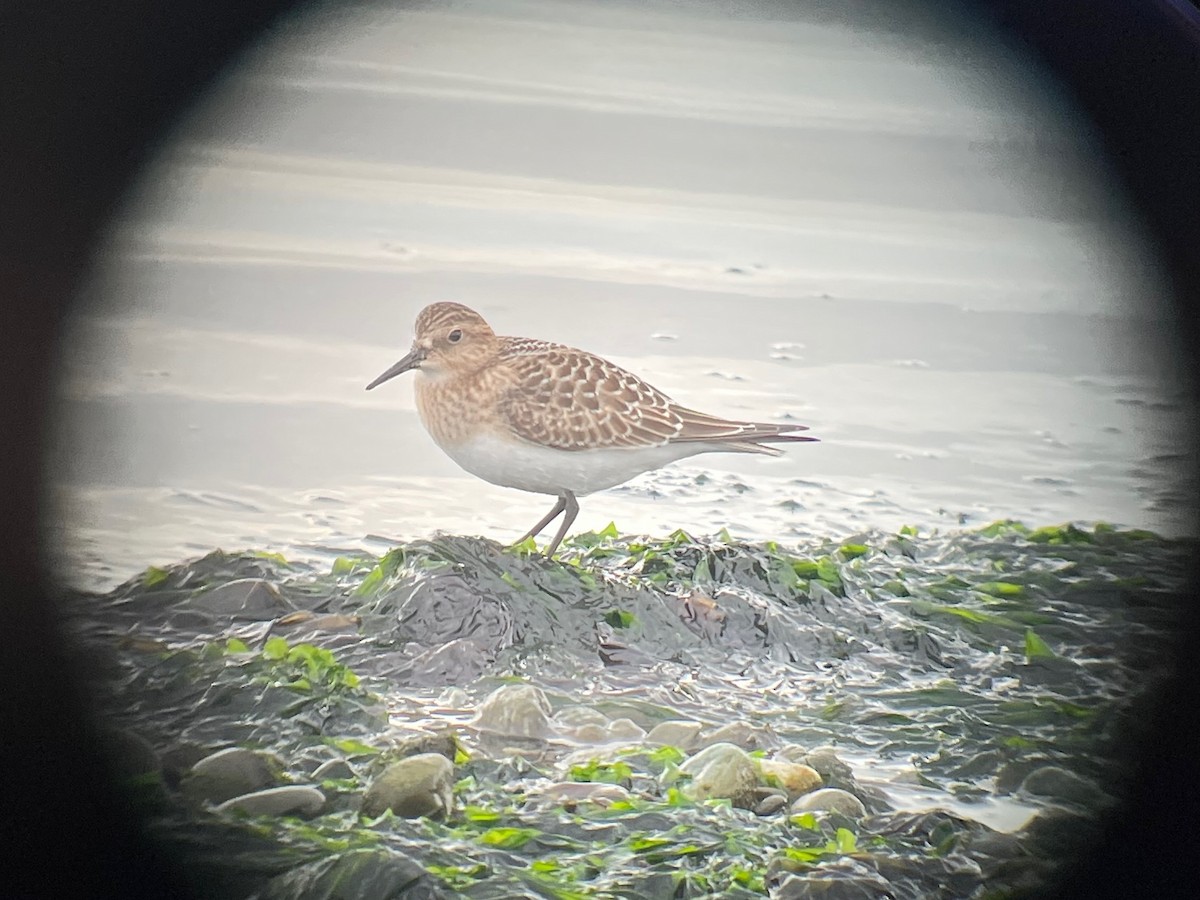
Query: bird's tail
[739,437]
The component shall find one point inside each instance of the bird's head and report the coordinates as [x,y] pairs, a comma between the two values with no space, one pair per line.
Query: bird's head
[449,338]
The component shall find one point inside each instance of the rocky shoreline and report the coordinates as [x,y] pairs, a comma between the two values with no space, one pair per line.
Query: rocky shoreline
[651,718]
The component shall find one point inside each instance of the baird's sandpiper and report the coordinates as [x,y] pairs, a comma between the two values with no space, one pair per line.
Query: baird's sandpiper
[551,419]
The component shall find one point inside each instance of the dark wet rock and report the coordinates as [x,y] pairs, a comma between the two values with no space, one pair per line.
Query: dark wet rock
[448,607]
[681,733]
[129,754]
[444,743]
[1060,784]
[304,625]
[178,759]
[292,799]
[1012,774]
[229,773]
[770,804]
[831,800]
[980,765]
[357,875]
[420,785]
[1060,833]
[191,620]
[722,771]
[333,769]
[515,710]
[930,827]
[827,763]
[250,598]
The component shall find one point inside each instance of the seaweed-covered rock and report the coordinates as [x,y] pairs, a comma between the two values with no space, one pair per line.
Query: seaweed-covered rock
[247,598]
[420,785]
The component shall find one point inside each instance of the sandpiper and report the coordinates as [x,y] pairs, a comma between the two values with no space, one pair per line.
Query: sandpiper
[551,419]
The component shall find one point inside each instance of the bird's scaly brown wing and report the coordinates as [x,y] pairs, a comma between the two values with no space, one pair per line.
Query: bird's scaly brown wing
[573,400]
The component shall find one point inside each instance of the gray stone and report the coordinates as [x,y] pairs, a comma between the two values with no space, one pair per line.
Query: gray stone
[681,733]
[626,730]
[417,786]
[228,773]
[722,771]
[515,710]
[830,800]
[590,734]
[791,753]
[578,716]
[748,737]
[279,801]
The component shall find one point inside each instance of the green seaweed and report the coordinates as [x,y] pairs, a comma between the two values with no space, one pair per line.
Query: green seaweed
[606,772]
[1035,647]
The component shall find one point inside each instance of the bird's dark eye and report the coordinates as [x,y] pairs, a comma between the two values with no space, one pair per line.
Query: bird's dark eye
[454,336]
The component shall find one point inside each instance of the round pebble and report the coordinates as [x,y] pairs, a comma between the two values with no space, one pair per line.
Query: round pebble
[279,801]
[417,786]
[831,800]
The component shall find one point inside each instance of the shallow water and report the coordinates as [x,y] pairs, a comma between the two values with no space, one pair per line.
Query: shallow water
[884,232]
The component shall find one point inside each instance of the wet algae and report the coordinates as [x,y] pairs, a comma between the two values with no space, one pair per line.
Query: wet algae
[941,680]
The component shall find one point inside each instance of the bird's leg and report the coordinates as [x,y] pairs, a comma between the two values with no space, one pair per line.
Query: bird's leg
[550,517]
[572,510]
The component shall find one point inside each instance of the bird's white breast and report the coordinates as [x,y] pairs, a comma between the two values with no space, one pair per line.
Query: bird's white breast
[545,470]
